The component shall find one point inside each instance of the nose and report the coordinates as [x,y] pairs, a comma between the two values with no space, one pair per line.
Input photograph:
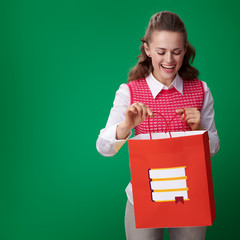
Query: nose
[169,57]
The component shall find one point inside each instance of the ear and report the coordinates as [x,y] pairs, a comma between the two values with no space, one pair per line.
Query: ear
[146,48]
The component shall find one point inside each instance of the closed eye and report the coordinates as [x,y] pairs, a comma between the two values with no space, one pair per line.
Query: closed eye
[177,53]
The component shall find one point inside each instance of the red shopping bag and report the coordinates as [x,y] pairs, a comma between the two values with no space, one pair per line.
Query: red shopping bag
[172,180]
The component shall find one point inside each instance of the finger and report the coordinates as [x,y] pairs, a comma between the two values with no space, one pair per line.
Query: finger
[192,111]
[146,110]
[194,115]
[150,113]
[145,114]
[184,116]
[139,108]
[132,110]
[192,121]
[145,107]
[180,111]
[190,116]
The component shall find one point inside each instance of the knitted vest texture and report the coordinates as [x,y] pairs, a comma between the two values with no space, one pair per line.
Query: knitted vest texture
[166,102]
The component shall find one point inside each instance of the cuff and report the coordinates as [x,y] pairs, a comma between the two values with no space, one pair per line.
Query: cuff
[107,144]
[213,143]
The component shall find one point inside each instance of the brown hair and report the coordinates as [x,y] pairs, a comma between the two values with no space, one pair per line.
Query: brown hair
[164,21]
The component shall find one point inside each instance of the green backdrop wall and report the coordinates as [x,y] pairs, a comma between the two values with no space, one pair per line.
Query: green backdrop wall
[61,63]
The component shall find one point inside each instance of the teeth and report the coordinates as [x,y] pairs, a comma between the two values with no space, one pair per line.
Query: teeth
[169,67]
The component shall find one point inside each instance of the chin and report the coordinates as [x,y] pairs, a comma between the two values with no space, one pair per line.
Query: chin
[169,76]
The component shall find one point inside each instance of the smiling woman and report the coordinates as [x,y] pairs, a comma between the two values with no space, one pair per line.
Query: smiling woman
[165,32]
[167,50]
[163,81]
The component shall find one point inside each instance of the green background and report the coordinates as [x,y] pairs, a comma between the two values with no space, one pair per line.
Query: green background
[61,63]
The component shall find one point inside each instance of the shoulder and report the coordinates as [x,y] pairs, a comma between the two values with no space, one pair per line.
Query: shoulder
[122,95]
[206,91]
[197,83]
[123,89]
[139,81]
[204,85]
[138,84]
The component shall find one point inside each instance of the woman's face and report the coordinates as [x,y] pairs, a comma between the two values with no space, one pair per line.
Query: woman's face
[166,50]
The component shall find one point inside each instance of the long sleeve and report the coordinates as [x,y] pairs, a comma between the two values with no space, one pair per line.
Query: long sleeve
[107,144]
[207,120]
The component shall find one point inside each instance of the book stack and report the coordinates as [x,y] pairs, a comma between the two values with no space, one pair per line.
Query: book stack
[168,184]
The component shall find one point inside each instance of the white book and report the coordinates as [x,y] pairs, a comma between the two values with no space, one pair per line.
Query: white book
[169,196]
[172,184]
[167,172]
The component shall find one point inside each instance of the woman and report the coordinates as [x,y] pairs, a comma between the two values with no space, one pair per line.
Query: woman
[162,81]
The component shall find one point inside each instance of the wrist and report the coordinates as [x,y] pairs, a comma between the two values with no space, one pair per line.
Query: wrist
[122,131]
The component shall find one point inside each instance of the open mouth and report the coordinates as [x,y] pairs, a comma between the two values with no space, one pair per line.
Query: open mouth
[168,66]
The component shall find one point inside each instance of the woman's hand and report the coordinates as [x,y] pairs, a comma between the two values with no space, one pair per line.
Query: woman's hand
[193,117]
[134,115]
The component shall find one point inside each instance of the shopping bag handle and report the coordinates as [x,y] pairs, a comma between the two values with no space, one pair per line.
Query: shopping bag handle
[167,129]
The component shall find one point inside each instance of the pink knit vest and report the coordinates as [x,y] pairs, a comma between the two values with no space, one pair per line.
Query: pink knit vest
[166,102]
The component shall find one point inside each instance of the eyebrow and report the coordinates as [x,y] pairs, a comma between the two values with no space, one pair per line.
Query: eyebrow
[165,48]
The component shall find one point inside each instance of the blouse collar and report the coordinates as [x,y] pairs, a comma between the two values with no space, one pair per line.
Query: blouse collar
[156,87]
